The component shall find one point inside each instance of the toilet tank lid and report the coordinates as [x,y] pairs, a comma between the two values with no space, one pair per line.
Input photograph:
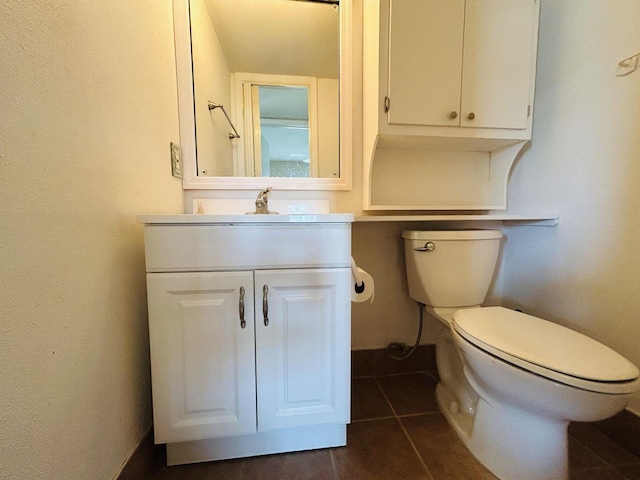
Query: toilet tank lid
[451,234]
[542,343]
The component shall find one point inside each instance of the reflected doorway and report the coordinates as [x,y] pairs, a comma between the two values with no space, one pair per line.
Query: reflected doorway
[282,145]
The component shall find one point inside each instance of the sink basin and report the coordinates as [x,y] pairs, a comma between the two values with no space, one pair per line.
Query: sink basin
[241,206]
[234,211]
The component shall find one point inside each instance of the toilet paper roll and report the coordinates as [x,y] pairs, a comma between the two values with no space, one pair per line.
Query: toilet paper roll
[365,291]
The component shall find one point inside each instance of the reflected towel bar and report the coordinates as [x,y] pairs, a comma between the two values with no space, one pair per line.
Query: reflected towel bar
[213,106]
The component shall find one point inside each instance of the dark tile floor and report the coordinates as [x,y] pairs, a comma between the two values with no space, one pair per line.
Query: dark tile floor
[397,433]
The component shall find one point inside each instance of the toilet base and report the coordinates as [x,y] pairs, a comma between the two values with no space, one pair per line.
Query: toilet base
[512,443]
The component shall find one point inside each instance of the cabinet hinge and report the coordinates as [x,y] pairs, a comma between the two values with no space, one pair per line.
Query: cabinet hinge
[387,104]
[529,111]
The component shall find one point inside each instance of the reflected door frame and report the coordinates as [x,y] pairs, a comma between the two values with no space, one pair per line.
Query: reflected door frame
[244,155]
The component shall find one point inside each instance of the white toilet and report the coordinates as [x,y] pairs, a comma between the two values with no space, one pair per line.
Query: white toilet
[510,383]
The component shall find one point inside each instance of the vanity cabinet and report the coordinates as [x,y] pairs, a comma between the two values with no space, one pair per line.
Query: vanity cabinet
[249,330]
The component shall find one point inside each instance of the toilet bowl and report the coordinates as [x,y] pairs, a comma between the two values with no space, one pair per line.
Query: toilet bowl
[510,383]
[532,378]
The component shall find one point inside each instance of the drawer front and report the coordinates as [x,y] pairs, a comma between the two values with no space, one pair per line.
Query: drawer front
[173,248]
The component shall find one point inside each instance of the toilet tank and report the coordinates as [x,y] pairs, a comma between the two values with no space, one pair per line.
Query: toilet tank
[450,268]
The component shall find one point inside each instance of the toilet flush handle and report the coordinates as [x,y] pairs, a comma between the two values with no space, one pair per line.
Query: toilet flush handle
[428,247]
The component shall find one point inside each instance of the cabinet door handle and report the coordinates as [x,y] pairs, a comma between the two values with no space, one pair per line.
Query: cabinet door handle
[243,323]
[453,114]
[265,305]
[471,116]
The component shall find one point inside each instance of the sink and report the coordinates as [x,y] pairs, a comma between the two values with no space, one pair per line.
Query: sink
[233,211]
[240,206]
[224,219]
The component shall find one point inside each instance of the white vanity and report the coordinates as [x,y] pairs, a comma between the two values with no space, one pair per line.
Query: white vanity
[249,324]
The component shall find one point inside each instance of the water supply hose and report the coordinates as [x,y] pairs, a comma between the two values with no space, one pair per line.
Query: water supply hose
[406,350]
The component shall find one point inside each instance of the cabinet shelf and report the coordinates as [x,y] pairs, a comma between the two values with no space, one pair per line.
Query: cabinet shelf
[506,219]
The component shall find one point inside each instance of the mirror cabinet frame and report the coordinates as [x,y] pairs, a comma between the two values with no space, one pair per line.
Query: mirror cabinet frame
[184,77]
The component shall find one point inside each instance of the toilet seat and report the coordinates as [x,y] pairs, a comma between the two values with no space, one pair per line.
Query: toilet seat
[445,314]
[547,349]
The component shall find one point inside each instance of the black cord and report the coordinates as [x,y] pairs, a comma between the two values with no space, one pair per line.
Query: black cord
[406,351]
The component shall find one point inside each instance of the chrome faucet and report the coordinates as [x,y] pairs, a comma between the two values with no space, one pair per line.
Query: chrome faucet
[262,207]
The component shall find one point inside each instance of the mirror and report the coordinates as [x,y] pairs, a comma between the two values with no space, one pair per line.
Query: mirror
[258,98]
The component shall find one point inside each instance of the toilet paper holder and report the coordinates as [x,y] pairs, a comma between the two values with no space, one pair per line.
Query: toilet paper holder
[363,288]
[359,285]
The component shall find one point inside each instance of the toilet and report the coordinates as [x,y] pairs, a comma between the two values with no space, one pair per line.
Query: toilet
[510,383]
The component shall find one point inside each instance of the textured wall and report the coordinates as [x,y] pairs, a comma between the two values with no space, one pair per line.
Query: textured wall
[87,111]
[584,164]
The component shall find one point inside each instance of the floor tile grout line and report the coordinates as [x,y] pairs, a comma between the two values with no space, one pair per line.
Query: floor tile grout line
[596,468]
[393,410]
[386,417]
[336,474]
[408,415]
[404,430]
[415,449]
[395,374]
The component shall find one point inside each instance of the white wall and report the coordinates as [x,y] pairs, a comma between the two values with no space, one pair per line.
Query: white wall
[584,164]
[87,111]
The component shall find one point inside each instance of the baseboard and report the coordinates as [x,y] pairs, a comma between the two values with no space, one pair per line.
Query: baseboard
[260,443]
[143,459]
[368,363]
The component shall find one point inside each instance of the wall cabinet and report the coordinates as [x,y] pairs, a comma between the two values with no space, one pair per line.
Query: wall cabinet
[446,76]
[465,62]
[249,357]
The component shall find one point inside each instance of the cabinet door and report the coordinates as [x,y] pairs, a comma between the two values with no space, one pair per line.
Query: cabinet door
[202,359]
[425,61]
[303,353]
[498,62]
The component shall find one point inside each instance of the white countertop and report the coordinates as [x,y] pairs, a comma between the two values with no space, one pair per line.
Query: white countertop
[200,219]
[219,219]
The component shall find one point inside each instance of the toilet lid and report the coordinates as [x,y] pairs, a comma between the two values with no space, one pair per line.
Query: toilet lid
[533,342]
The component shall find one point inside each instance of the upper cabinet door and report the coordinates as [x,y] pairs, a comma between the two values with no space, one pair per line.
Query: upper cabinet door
[425,61]
[497,63]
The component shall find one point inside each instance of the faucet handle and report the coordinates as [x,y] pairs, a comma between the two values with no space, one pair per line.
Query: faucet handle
[265,191]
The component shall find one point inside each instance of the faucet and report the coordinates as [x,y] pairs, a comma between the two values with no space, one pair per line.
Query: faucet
[262,201]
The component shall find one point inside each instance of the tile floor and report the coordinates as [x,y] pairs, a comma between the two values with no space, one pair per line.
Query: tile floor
[397,433]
